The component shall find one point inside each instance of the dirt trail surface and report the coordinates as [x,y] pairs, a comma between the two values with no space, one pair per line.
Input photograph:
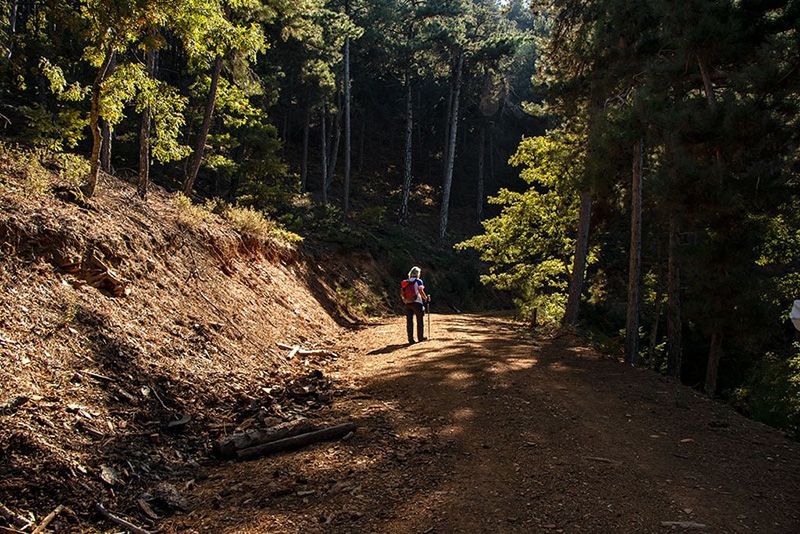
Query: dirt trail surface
[483,428]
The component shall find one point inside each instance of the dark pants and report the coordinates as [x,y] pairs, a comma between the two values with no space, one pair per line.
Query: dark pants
[415,308]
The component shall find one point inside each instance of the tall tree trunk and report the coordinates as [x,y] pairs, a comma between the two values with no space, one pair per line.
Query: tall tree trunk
[451,153]
[324,149]
[334,155]
[12,28]
[199,147]
[635,267]
[144,132]
[657,312]
[404,209]
[714,357]
[304,160]
[579,261]
[105,151]
[481,166]
[88,188]
[347,148]
[674,324]
[491,154]
[361,139]
[448,119]
[712,101]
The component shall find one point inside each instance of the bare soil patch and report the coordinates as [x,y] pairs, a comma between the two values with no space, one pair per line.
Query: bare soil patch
[484,429]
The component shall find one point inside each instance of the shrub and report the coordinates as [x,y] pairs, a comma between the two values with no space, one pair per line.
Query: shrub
[189,215]
[772,393]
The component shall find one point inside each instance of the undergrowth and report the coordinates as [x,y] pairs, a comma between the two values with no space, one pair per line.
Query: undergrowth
[250,223]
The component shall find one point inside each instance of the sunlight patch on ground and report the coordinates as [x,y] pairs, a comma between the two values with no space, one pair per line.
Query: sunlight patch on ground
[463,414]
[518,364]
[460,376]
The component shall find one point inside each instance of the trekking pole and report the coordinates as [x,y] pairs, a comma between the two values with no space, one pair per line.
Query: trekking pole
[429,318]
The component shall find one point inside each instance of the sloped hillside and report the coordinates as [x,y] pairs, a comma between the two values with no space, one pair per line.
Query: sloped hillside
[132,336]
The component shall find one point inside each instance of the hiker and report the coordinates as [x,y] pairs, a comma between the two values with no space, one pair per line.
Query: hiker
[413,294]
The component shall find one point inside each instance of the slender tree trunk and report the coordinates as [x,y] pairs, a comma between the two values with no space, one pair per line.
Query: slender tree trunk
[88,188]
[481,166]
[635,267]
[105,151]
[712,101]
[579,261]
[451,153]
[361,143]
[347,148]
[304,160]
[12,28]
[715,354]
[491,154]
[656,363]
[448,119]
[199,147]
[404,206]
[324,145]
[674,324]
[144,133]
[334,155]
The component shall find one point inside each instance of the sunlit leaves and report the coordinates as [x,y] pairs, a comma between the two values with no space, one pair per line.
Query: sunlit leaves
[528,246]
[130,84]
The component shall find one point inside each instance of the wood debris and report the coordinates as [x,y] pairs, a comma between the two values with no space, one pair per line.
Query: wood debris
[47,520]
[95,271]
[228,446]
[326,434]
[119,521]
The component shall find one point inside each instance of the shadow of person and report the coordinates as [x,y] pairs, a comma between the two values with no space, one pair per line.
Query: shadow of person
[387,349]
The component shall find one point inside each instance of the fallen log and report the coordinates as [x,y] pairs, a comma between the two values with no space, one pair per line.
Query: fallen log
[294,442]
[228,446]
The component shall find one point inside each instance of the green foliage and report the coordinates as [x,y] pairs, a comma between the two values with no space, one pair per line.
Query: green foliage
[54,131]
[130,84]
[254,225]
[771,393]
[529,244]
[38,171]
[189,214]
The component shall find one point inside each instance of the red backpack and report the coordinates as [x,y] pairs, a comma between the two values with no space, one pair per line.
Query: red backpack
[408,291]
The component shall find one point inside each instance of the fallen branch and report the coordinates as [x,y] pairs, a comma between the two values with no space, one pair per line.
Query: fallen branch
[9,530]
[119,521]
[227,447]
[17,521]
[100,377]
[326,434]
[46,521]
[685,525]
[296,350]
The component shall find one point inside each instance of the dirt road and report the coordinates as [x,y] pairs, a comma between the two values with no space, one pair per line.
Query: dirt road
[484,429]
